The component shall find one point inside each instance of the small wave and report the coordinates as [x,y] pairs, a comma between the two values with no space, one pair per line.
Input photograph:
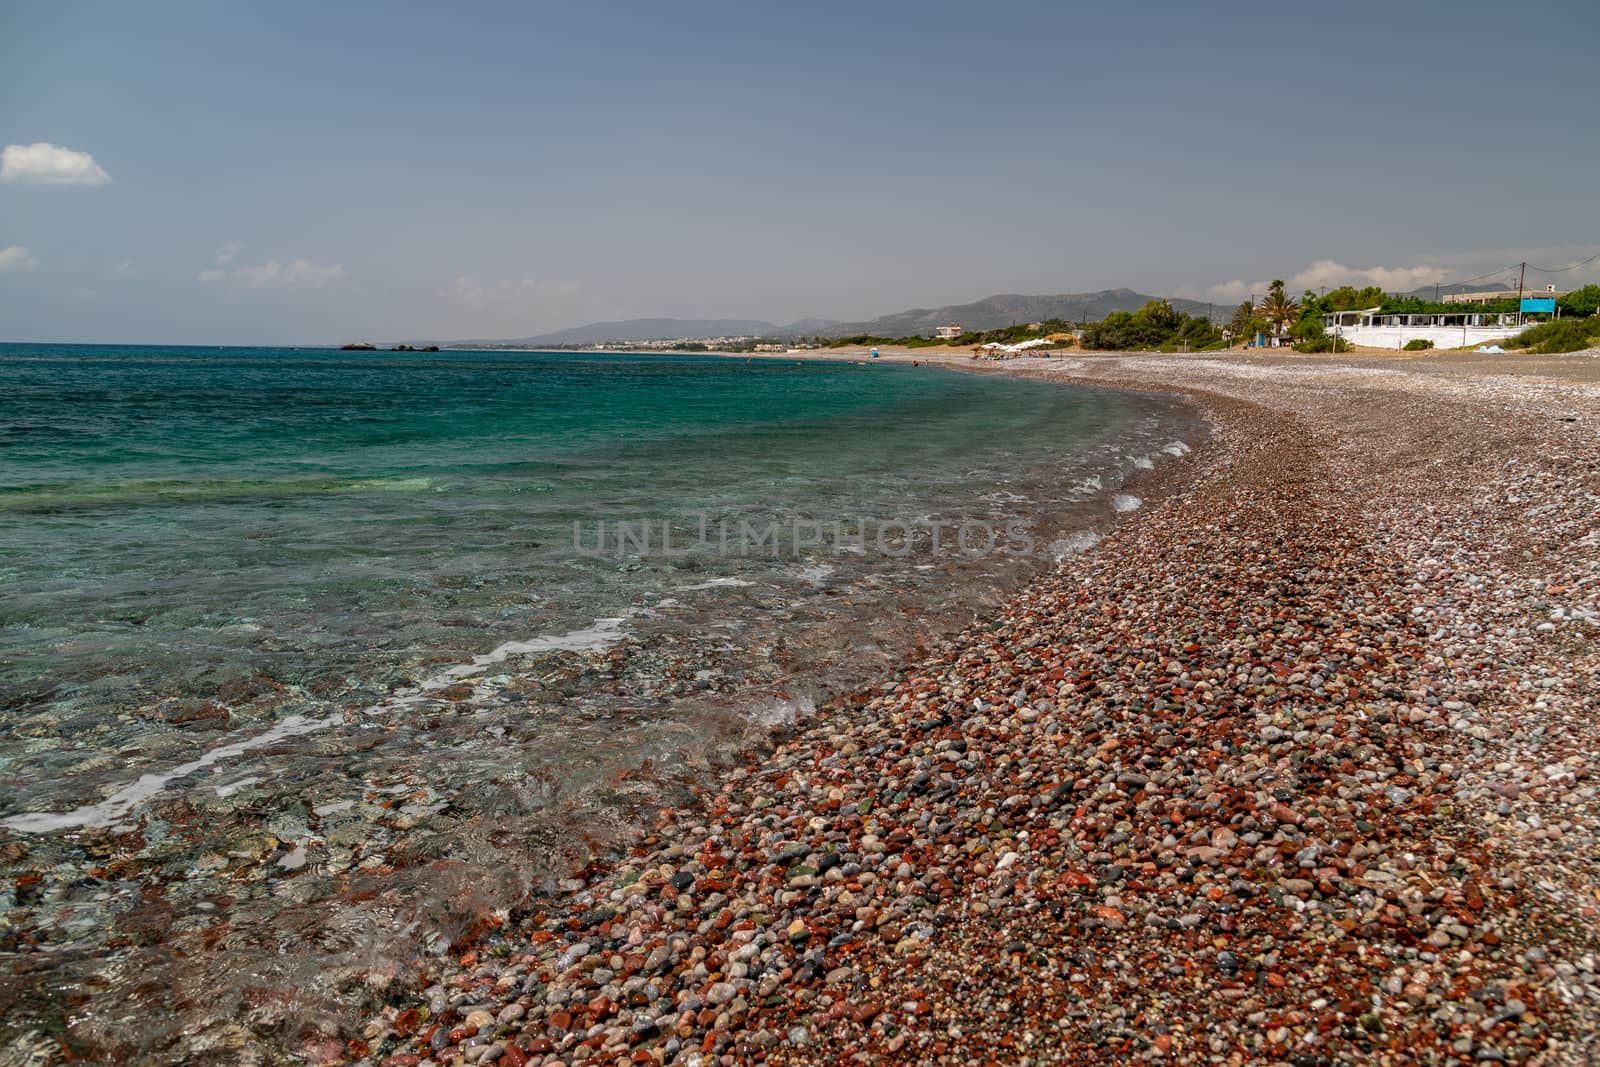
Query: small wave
[1124,502]
[1143,463]
[234,787]
[592,638]
[1073,544]
[715,583]
[120,804]
[391,485]
[1091,484]
[815,572]
[1177,448]
[112,810]
[783,712]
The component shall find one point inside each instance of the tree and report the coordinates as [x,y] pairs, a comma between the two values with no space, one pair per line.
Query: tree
[1585,301]
[1245,323]
[1349,298]
[1240,323]
[1279,308]
[1157,325]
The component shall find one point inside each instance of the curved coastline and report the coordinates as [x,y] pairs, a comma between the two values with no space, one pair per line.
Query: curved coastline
[1250,782]
[1387,809]
[304,928]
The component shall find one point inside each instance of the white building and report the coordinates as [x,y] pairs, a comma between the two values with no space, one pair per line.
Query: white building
[1493,295]
[1373,329]
[948,332]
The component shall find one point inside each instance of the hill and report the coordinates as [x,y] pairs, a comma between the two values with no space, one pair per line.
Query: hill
[1008,309]
[645,330]
[1433,292]
[991,313]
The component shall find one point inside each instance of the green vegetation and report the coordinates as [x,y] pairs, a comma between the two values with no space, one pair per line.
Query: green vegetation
[1559,335]
[1344,298]
[1156,326]
[1159,327]
[1005,335]
[1580,302]
[1324,344]
[1309,336]
[1413,305]
[1418,344]
[1010,335]
[1279,308]
[862,339]
[1246,324]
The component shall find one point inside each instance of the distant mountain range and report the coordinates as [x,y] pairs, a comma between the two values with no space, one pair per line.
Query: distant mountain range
[644,330]
[991,313]
[1427,292]
[1010,309]
[1006,309]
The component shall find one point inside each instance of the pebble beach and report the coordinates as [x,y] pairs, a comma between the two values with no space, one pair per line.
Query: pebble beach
[1296,766]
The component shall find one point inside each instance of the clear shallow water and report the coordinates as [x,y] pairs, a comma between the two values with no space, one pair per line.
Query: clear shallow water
[310,658]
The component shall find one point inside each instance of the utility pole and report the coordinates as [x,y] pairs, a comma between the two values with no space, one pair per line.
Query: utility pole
[1521,274]
[1435,292]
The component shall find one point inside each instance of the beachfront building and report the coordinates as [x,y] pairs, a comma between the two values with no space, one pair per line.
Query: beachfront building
[1549,292]
[1374,329]
[948,332]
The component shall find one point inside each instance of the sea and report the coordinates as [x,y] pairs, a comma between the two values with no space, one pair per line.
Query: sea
[315,662]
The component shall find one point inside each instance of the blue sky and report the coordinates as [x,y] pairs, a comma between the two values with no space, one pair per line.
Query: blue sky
[300,173]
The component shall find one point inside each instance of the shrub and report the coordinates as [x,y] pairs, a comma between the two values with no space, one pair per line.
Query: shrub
[1155,326]
[1585,301]
[1307,329]
[1323,344]
[1420,344]
[1559,335]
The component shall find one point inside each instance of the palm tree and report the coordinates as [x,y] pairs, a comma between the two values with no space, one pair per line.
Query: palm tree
[1279,308]
[1239,324]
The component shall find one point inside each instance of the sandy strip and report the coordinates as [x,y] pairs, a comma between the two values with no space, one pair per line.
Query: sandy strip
[1298,766]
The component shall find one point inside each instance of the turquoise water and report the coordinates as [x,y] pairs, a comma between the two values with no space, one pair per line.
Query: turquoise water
[179,519]
[277,623]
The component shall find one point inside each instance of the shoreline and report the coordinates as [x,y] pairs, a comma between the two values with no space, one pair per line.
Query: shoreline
[833,900]
[362,855]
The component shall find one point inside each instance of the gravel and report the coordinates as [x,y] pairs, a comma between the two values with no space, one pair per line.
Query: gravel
[1296,767]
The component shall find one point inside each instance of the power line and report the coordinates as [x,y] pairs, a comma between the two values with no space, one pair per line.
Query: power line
[1468,281]
[1563,270]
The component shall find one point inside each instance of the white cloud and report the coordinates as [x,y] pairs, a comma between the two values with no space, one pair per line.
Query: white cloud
[48,164]
[469,289]
[1222,292]
[126,269]
[265,274]
[1330,274]
[229,251]
[1326,272]
[271,272]
[298,270]
[303,270]
[15,257]
[544,288]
